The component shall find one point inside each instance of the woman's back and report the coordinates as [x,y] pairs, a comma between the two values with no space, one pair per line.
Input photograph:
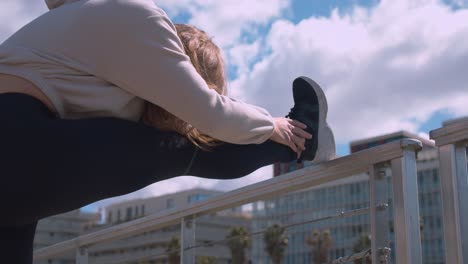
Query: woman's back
[95,58]
[63,53]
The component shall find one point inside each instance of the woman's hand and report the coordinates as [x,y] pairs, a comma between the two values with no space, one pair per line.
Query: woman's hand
[290,133]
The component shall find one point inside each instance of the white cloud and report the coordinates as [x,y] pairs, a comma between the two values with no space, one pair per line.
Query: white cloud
[161,188]
[383,69]
[241,56]
[175,7]
[186,183]
[226,20]
[257,176]
[16,13]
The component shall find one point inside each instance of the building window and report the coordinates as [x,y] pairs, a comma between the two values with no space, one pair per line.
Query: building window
[109,217]
[129,213]
[292,166]
[170,203]
[118,215]
[435,176]
[197,197]
[143,210]
[136,210]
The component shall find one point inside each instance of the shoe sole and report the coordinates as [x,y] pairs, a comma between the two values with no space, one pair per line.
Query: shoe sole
[326,148]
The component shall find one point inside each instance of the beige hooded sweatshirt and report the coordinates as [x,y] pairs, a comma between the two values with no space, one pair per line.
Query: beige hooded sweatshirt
[95,58]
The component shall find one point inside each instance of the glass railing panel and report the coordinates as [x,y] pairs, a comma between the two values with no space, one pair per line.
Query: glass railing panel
[313,206]
[322,223]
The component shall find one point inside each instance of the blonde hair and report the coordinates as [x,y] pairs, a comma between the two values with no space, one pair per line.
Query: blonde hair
[207,59]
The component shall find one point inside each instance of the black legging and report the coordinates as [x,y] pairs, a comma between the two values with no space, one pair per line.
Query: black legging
[50,166]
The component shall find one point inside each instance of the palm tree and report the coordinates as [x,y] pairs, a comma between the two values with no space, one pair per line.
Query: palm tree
[173,250]
[205,260]
[238,241]
[276,242]
[363,243]
[320,243]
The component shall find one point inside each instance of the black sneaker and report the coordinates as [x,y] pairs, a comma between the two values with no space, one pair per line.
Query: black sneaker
[310,108]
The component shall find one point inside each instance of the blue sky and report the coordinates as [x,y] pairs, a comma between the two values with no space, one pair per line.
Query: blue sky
[384,65]
[299,10]
[303,9]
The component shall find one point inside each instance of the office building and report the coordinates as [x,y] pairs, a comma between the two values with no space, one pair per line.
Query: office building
[345,195]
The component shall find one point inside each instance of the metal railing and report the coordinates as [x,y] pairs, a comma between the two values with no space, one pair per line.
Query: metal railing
[452,140]
[398,156]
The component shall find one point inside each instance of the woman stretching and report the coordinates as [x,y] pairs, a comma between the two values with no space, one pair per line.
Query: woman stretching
[83,91]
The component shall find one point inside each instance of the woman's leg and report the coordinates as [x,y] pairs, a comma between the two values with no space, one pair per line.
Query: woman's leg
[51,166]
[230,161]
[16,243]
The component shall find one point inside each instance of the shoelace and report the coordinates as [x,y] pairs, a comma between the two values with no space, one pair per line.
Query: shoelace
[292,112]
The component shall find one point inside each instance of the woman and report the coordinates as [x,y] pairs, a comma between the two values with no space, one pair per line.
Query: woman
[75,82]
[207,60]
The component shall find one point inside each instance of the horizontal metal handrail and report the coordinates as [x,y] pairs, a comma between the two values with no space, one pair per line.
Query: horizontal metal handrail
[450,133]
[297,180]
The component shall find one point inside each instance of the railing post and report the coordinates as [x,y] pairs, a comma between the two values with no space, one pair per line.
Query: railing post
[82,256]
[187,253]
[379,224]
[454,189]
[406,206]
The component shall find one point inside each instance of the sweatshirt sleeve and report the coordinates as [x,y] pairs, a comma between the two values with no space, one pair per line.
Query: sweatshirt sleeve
[141,53]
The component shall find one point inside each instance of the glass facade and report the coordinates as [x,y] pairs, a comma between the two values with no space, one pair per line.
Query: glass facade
[341,196]
[308,205]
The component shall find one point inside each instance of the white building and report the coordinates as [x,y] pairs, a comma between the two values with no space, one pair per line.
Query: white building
[58,228]
[150,247]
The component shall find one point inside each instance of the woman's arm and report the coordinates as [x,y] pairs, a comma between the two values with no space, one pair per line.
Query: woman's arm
[135,46]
